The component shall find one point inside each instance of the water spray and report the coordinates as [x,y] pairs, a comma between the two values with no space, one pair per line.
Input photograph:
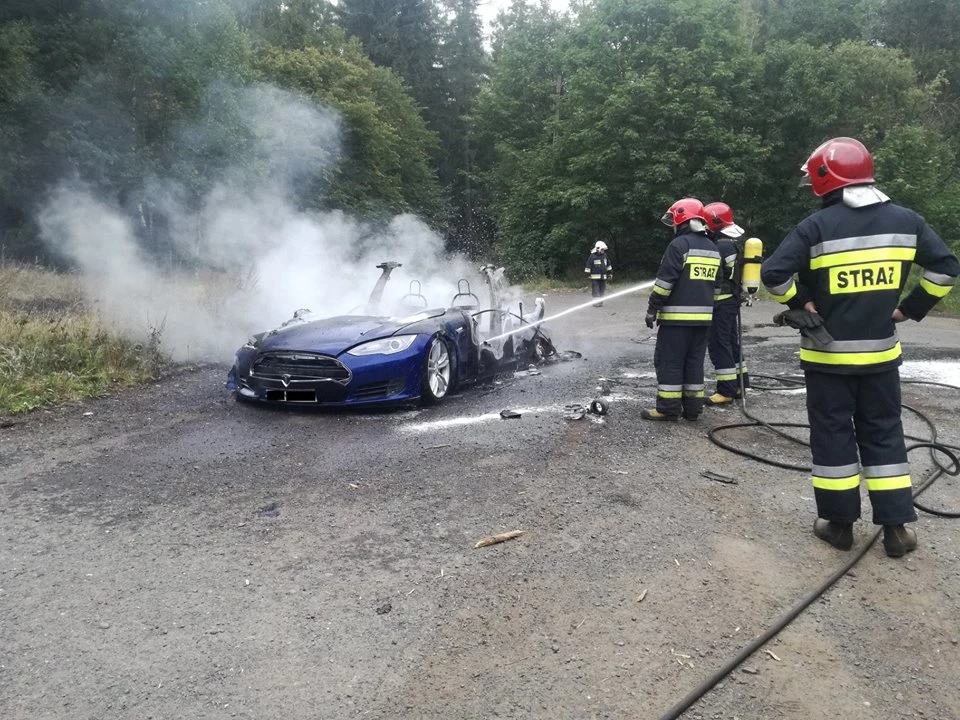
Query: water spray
[636,288]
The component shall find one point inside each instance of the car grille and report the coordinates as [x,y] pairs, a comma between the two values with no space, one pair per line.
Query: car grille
[290,367]
[378,390]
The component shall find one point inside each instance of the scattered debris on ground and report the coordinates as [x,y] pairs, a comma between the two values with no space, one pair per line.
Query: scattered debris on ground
[725,479]
[271,510]
[498,538]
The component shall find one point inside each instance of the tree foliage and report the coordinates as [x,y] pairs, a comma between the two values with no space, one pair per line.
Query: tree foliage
[567,129]
[378,173]
[640,103]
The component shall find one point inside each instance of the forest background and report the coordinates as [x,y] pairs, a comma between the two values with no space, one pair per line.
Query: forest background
[559,130]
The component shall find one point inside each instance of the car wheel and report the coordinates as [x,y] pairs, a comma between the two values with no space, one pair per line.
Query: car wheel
[437,372]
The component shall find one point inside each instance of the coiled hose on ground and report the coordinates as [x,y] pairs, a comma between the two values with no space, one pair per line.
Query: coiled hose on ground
[936,449]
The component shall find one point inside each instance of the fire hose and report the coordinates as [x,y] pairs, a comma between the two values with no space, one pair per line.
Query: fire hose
[936,449]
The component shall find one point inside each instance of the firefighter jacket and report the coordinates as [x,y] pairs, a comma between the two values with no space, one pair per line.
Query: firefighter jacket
[852,262]
[728,287]
[598,266]
[689,271]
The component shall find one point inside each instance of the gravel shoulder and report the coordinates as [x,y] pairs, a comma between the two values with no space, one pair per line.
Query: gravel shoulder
[166,552]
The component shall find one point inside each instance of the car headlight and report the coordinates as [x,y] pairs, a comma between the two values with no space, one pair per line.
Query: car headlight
[385,346]
[252,343]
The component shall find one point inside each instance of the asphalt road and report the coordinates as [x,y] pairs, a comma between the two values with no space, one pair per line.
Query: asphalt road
[168,553]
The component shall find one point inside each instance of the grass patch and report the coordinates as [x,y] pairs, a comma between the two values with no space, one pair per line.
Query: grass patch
[53,350]
[542,285]
[950,305]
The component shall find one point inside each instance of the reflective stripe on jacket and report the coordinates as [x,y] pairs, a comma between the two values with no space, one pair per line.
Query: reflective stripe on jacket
[853,264]
[689,271]
[728,257]
[598,266]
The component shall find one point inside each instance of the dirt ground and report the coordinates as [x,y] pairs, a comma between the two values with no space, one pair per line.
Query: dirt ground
[168,553]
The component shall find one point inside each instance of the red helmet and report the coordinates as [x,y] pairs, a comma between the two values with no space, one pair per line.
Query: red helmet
[720,219]
[683,210]
[837,163]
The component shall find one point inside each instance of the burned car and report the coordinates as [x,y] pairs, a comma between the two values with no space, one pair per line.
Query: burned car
[420,353]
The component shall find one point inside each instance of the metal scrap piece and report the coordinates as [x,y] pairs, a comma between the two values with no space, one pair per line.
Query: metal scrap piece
[574,411]
[725,479]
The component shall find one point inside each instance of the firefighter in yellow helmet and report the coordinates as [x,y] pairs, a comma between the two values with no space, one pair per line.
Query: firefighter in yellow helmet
[851,260]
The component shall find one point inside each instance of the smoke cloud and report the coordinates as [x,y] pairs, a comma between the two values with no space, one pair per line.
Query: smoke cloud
[247,256]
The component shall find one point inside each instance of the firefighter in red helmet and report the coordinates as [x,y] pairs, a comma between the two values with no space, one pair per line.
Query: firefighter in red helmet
[723,344]
[851,259]
[681,302]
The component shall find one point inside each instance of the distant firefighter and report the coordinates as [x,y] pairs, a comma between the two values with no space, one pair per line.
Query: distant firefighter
[599,270]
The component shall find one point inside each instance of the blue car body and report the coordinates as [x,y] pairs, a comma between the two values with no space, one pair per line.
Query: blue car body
[422,356]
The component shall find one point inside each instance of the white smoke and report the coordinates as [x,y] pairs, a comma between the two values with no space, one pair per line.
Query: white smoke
[254,257]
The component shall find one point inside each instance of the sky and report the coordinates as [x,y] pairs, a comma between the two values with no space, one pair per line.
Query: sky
[488,9]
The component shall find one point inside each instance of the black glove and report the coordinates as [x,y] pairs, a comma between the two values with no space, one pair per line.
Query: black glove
[800,319]
[809,324]
[650,319]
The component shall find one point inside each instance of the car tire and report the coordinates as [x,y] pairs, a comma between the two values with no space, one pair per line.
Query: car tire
[437,379]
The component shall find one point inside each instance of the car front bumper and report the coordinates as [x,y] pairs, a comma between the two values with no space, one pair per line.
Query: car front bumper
[350,380]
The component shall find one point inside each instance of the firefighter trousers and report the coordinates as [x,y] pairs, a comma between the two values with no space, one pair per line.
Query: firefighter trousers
[598,288]
[724,348]
[678,360]
[855,430]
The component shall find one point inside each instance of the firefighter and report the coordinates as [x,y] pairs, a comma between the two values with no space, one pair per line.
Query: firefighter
[600,270]
[851,258]
[681,302]
[723,343]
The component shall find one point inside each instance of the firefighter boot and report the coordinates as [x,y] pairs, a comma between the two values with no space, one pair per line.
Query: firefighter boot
[899,540]
[652,414]
[718,399]
[840,535]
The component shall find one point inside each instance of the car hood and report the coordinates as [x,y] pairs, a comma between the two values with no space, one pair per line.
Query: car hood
[331,336]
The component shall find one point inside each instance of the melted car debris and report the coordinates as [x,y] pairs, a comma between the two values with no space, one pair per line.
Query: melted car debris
[508,414]
[599,407]
[576,411]
[725,479]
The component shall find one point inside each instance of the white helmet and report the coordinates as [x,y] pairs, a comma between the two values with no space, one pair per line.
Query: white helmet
[601,245]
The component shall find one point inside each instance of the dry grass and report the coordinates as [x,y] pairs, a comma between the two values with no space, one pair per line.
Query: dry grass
[52,350]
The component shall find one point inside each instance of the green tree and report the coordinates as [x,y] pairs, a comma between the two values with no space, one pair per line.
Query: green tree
[386,144]
[816,22]
[290,24]
[652,106]
[814,93]
[466,67]
[404,35]
[515,117]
